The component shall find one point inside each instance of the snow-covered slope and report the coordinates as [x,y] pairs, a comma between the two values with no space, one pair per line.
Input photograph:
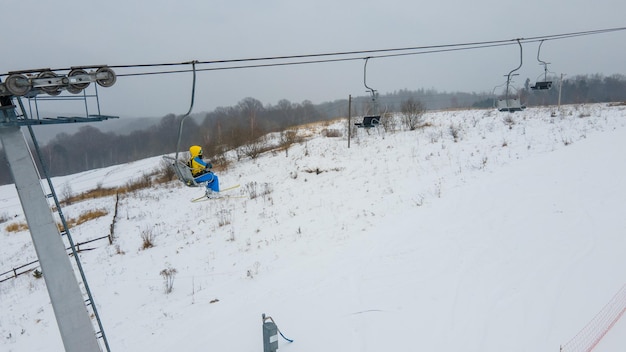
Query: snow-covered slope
[485,231]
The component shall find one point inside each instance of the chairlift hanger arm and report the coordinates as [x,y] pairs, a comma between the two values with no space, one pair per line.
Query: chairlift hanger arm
[520,58]
[193,94]
[508,79]
[370,89]
[541,62]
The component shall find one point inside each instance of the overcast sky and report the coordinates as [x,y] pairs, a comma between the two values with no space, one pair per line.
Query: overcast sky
[60,34]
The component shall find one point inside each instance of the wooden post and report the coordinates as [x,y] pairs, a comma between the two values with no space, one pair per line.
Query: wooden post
[560,88]
[349,118]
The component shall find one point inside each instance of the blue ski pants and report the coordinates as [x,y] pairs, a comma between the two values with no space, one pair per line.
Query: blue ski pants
[211,179]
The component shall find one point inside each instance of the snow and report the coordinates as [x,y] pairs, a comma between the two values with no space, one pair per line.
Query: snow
[508,238]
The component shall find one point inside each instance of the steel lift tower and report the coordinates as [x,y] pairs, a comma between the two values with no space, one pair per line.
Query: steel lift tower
[70,306]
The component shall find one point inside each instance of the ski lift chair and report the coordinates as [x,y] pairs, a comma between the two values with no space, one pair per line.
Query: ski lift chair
[369,122]
[372,120]
[510,105]
[183,172]
[545,84]
[542,85]
[509,101]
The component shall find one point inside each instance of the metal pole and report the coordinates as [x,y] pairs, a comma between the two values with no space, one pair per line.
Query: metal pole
[77,331]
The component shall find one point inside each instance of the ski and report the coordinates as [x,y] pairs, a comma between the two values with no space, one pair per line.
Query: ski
[219,195]
[205,198]
[229,188]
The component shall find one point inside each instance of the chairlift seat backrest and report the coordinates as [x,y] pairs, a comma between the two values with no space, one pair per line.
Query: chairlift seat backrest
[510,105]
[542,85]
[369,121]
[183,172]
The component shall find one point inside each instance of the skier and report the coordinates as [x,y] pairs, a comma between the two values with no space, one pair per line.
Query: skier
[201,170]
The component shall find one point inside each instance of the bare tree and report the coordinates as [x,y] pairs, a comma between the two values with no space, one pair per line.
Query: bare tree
[250,108]
[285,112]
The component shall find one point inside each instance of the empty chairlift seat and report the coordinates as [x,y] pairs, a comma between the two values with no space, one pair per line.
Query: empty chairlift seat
[368,122]
[510,105]
[542,85]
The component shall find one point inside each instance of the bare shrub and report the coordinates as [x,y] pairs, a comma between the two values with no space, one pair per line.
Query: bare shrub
[147,238]
[509,121]
[166,172]
[266,189]
[255,148]
[251,189]
[255,190]
[219,160]
[168,279]
[412,113]
[142,182]
[388,122]
[455,132]
[287,139]
[331,133]
[224,218]
[4,217]
[67,193]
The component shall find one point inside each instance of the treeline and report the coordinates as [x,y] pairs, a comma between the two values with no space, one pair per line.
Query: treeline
[228,127]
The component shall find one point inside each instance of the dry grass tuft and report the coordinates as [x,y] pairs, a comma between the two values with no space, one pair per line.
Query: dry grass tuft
[83,218]
[16,227]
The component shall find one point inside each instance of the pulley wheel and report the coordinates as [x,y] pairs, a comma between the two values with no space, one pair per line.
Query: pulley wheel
[52,90]
[106,82]
[80,86]
[17,84]
[56,91]
[73,90]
